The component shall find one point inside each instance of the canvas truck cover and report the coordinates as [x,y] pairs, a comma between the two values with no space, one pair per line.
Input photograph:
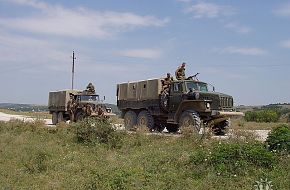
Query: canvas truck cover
[140,90]
[58,100]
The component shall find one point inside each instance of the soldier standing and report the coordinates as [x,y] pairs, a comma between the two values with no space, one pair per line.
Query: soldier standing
[180,72]
[91,89]
[71,107]
[167,81]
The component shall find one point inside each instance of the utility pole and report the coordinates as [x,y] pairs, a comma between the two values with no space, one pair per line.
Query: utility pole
[73,70]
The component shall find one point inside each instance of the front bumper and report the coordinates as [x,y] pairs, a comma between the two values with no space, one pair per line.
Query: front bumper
[227,113]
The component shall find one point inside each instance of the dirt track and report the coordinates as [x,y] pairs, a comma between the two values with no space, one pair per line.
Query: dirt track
[260,134]
[8,117]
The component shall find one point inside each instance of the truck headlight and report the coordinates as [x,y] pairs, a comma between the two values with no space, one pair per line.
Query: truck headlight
[109,110]
[207,105]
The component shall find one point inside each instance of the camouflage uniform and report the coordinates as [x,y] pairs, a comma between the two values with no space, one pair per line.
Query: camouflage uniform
[90,89]
[167,81]
[71,104]
[180,72]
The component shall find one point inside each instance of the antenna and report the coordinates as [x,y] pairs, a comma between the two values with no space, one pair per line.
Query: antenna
[73,70]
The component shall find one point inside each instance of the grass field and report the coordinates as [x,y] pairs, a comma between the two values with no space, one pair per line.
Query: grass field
[36,157]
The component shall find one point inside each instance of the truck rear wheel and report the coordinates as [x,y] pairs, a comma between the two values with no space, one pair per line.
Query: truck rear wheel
[191,120]
[130,119]
[60,117]
[145,119]
[54,118]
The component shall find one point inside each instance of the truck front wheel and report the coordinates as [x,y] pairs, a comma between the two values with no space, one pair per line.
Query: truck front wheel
[190,120]
[145,119]
[54,118]
[130,119]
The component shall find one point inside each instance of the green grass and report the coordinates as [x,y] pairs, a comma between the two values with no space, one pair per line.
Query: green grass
[33,156]
[240,123]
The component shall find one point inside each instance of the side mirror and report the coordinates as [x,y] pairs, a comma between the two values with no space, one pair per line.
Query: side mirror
[104,98]
[213,88]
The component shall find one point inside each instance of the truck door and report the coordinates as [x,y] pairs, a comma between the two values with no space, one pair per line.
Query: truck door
[175,96]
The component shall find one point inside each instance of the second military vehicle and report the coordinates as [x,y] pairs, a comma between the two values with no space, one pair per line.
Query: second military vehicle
[184,103]
[75,105]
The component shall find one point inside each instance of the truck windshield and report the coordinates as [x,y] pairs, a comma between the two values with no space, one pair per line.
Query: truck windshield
[89,98]
[197,86]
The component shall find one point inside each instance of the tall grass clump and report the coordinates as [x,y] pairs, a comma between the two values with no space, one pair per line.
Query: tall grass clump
[97,130]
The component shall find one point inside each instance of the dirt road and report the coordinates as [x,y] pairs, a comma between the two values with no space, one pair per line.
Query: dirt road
[8,117]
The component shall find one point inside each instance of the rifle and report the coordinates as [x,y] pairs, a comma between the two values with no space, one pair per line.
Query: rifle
[193,77]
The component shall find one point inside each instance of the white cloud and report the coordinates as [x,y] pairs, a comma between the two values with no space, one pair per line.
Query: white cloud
[25,52]
[81,22]
[285,44]
[283,11]
[141,53]
[238,28]
[244,51]
[210,10]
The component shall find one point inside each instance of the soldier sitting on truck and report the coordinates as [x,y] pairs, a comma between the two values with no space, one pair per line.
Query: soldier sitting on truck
[90,89]
[180,72]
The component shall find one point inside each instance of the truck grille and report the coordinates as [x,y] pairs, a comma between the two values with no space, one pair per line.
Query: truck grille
[226,102]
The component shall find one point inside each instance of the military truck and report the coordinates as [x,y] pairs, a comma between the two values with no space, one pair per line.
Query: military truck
[185,103]
[75,105]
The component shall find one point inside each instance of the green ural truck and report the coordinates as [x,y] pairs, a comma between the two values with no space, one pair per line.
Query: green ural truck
[75,105]
[185,103]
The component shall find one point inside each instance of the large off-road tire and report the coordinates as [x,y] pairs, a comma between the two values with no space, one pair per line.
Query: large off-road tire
[130,120]
[164,98]
[172,128]
[80,116]
[60,117]
[221,128]
[145,119]
[190,120]
[54,118]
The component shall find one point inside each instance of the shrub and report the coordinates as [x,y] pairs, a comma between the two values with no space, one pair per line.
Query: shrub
[97,130]
[233,158]
[279,139]
[262,116]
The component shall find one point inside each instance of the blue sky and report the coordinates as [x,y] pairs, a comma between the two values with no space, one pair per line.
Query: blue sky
[241,47]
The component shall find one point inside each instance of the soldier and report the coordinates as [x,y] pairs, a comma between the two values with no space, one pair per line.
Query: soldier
[90,89]
[167,81]
[180,72]
[71,107]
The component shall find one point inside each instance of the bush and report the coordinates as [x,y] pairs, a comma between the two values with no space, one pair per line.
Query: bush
[233,158]
[279,139]
[97,130]
[262,116]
